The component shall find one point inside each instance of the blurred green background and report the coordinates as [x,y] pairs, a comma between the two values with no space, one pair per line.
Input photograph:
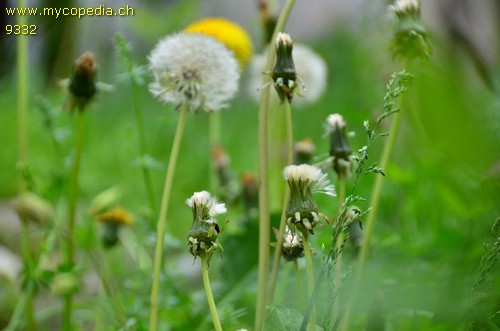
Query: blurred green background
[440,198]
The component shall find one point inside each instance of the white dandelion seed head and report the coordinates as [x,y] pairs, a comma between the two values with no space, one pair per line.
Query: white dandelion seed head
[309,66]
[311,175]
[204,200]
[283,39]
[335,122]
[193,68]
[405,6]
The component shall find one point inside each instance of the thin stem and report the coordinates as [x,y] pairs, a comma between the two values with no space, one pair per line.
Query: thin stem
[370,221]
[208,292]
[162,219]
[310,282]
[300,285]
[73,201]
[264,217]
[142,144]
[22,92]
[339,243]
[286,200]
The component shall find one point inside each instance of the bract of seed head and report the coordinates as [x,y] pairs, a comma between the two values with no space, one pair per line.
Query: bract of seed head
[193,68]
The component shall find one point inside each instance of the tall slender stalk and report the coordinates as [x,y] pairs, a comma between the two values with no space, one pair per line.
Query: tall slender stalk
[339,243]
[73,202]
[264,217]
[28,261]
[162,219]
[22,91]
[286,200]
[300,285]
[208,292]
[370,221]
[310,282]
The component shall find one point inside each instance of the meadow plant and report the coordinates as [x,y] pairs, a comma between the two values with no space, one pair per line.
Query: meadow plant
[193,72]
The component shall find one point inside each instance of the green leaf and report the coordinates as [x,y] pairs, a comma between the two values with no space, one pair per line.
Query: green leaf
[284,319]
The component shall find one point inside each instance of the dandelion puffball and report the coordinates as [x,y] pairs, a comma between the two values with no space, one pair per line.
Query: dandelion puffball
[194,69]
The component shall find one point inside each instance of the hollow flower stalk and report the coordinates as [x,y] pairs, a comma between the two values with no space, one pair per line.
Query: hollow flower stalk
[194,69]
[304,180]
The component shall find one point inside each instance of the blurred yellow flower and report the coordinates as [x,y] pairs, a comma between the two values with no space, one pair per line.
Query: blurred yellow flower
[117,215]
[227,32]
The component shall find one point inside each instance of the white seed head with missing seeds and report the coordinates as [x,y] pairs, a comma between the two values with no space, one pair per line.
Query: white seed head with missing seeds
[312,175]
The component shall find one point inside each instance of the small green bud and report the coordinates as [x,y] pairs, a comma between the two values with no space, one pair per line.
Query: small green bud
[82,85]
[340,149]
[284,75]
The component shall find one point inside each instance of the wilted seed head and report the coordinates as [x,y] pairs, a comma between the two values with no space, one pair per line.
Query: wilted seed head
[340,150]
[112,220]
[195,69]
[284,75]
[310,68]
[293,246]
[302,211]
[202,238]
[410,37]
[82,85]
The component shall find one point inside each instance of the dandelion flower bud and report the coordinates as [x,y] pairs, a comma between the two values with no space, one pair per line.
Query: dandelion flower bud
[194,69]
[82,85]
[227,32]
[340,149]
[65,284]
[293,245]
[202,238]
[410,37]
[284,75]
[113,220]
[302,211]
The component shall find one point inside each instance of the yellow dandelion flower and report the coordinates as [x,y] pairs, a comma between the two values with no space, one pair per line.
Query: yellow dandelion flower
[227,32]
[117,215]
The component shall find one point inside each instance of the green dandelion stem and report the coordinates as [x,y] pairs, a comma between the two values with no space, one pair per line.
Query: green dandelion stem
[208,291]
[162,220]
[369,225]
[264,217]
[310,282]
[22,92]
[286,200]
[338,263]
[73,201]
[300,284]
